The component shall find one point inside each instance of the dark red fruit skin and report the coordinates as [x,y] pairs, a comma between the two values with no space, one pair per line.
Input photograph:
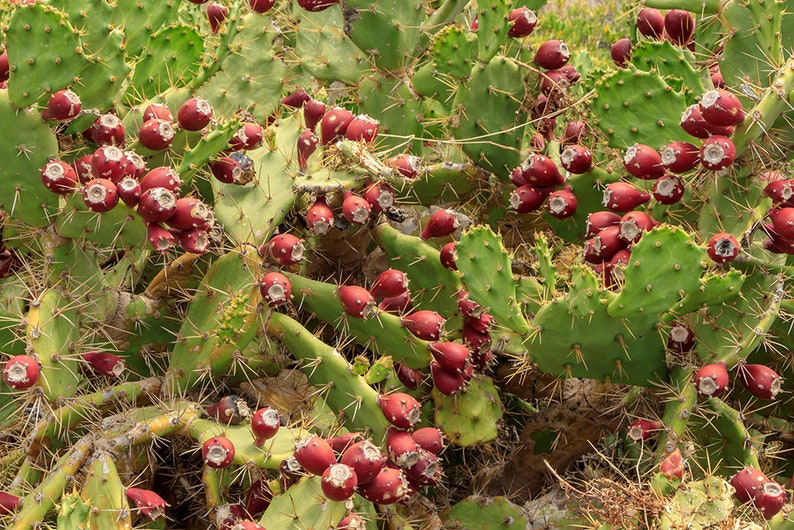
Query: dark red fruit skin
[351,522]
[156,135]
[341,443]
[430,439]
[4,67]
[362,128]
[477,341]
[15,364]
[694,124]
[442,223]
[129,191]
[781,191]
[668,189]
[621,52]
[643,162]
[717,144]
[317,5]
[527,198]
[107,364]
[216,14]
[401,448]
[227,170]
[553,84]
[409,166]
[643,429]
[265,424]
[451,356]
[633,224]
[158,111]
[522,22]
[208,455]
[258,498]
[650,23]
[424,324]
[59,177]
[307,145]
[396,305]
[332,488]
[770,499]
[723,247]
[109,162]
[356,301]
[283,249]
[365,458]
[159,238]
[62,106]
[711,379]
[759,380]
[96,202]
[82,167]
[194,241]
[783,221]
[334,123]
[356,209]
[576,159]
[248,136]
[748,482]
[275,288]
[604,245]
[720,107]
[400,409]
[194,114]
[297,98]
[107,130]
[446,382]
[681,338]
[409,377]
[468,308]
[448,255]
[190,214]
[388,487]
[380,196]
[541,171]
[623,197]
[147,502]
[597,221]
[161,177]
[680,157]
[573,133]
[679,26]
[157,205]
[562,204]
[552,54]
[313,112]
[389,283]
[320,217]
[314,454]
[261,6]
[672,466]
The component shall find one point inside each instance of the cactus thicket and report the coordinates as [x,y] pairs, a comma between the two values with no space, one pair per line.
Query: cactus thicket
[579,250]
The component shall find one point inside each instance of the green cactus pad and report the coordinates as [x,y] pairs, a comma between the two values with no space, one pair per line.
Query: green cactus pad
[487,274]
[673,63]
[472,416]
[73,512]
[45,54]
[492,19]
[119,227]
[489,117]
[453,52]
[699,504]
[203,149]
[714,289]
[735,202]
[101,80]
[27,144]
[323,50]
[135,16]
[303,506]
[485,513]
[665,265]
[594,344]
[105,494]
[446,182]
[632,106]
[400,113]
[268,456]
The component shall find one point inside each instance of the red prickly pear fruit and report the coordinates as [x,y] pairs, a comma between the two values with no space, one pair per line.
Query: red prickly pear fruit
[339,482]
[232,170]
[442,223]
[633,224]
[770,499]
[230,410]
[643,162]
[147,502]
[401,410]
[217,452]
[517,177]
[426,471]
[129,191]
[5,67]
[573,133]
[681,338]
[356,209]
[723,247]
[365,458]
[247,525]
[107,129]
[283,249]
[307,144]
[313,112]
[576,159]
[389,283]
[290,471]
[483,323]
[430,439]
[314,454]
[448,255]
[59,177]
[527,198]
[717,152]
[351,522]
[748,482]
[83,168]
[190,214]
[362,128]
[409,166]
[650,23]
[388,487]
[672,466]
[109,162]
[446,382]
[780,191]
[248,137]
[643,429]
[380,196]
[401,448]
[522,22]
[341,443]
[450,356]
[541,171]
[467,307]
[99,195]
[161,177]
[8,503]
[668,189]
[396,304]
[720,107]
[604,245]
[597,221]
[620,52]
[159,238]
[157,205]
[275,288]
[680,157]
[261,6]
[320,217]
[553,83]
[194,241]
[63,105]
[334,123]
[258,498]
[21,371]
[357,301]
[297,98]
[216,15]
[408,376]
[156,135]
[135,166]
[623,197]
[477,341]
[783,221]
[694,124]
[759,380]
[194,114]
[562,204]
[317,5]
[158,111]
[107,364]
[679,26]
[712,379]
[424,324]
[474,25]
[552,54]
[716,76]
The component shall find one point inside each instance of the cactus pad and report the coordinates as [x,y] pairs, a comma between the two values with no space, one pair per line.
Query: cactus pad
[470,417]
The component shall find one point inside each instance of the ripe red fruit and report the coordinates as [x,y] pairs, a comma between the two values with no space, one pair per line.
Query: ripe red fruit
[643,429]
[107,364]
[365,458]
[447,382]
[275,288]
[229,171]
[633,224]
[261,6]
[623,197]
[380,196]
[297,98]
[355,208]
[759,380]
[160,238]
[672,466]
[604,245]
[107,130]
[190,214]
[680,157]
[679,26]
[573,133]
[388,487]
[553,84]
[193,241]
[448,255]
[99,195]
[711,379]
[424,324]
[159,111]
[783,221]
[643,162]
[248,136]
[338,482]
[681,338]
[307,144]
[258,498]
[63,105]
[409,377]
[576,159]
[157,205]
[389,283]
[216,15]
[597,221]
[362,128]
[334,123]
[109,162]
[161,177]
[409,166]
[194,114]
[780,191]
[442,222]
[451,356]
[621,52]
[721,107]
[134,165]
[129,191]
[552,54]
[468,308]
[4,67]
[21,371]
[527,198]
[351,522]
[147,502]
[313,112]
[747,483]
[217,452]
[430,439]
[401,448]
[230,410]
[317,5]
[265,424]
[562,204]
[717,152]
[477,341]
[320,217]
[156,134]
[357,301]
[770,499]
[314,454]
[59,177]
[400,409]
[284,249]
[723,247]
[650,23]
[82,167]
[693,122]
[522,22]
[541,171]
[668,189]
